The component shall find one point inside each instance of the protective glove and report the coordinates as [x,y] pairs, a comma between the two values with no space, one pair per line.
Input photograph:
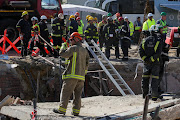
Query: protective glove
[64,46]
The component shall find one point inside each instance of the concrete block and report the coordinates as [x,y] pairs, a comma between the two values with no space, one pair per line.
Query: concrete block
[8,100]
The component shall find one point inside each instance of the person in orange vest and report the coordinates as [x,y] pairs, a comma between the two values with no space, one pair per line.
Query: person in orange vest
[35,39]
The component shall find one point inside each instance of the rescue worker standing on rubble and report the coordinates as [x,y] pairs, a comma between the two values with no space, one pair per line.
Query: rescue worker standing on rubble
[44,31]
[110,33]
[116,22]
[80,26]
[78,15]
[24,28]
[150,52]
[35,38]
[100,30]
[137,29]
[125,40]
[147,25]
[57,32]
[73,27]
[74,75]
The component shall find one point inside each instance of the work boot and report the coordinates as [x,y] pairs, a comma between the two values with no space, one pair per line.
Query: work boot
[55,110]
[75,114]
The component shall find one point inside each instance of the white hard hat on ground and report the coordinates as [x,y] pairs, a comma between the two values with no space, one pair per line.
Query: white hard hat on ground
[150,15]
[43,17]
[61,16]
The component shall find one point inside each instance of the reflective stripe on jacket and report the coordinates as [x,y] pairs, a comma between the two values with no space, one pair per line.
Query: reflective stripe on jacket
[91,32]
[79,60]
[131,26]
[35,30]
[163,23]
[56,27]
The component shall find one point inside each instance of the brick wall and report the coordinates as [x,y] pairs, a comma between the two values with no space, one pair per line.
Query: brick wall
[9,83]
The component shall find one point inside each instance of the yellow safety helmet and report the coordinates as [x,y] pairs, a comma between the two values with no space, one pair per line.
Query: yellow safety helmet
[87,17]
[71,17]
[90,18]
[24,13]
[95,18]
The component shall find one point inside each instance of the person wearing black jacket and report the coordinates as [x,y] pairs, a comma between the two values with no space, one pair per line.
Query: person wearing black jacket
[110,33]
[44,31]
[24,29]
[73,25]
[150,52]
[125,40]
[57,33]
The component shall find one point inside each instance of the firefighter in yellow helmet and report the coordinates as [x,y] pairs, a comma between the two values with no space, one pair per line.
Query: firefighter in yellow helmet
[24,28]
[73,27]
[95,21]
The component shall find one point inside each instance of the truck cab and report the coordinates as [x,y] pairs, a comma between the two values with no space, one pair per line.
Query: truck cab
[11,10]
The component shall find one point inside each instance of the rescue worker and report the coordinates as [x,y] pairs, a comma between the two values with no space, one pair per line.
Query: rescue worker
[91,33]
[87,19]
[78,15]
[80,26]
[150,52]
[24,28]
[131,29]
[57,32]
[125,40]
[73,27]
[109,15]
[44,32]
[35,41]
[163,23]
[95,21]
[120,22]
[100,30]
[137,29]
[74,75]
[116,19]
[110,32]
[147,25]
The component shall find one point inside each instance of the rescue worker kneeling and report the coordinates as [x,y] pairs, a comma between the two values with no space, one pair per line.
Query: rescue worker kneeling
[74,75]
[150,52]
[35,39]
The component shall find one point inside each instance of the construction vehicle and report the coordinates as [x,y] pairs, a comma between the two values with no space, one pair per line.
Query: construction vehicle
[173,38]
[11,10]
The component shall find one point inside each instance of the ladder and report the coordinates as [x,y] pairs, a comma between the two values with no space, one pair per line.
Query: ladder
[108,68]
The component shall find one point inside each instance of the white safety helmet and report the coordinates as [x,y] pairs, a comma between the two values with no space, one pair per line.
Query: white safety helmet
[150,15]
[61,16]
[43,17]
[155,28]
[34,18]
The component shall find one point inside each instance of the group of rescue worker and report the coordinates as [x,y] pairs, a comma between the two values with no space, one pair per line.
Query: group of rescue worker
[153,49]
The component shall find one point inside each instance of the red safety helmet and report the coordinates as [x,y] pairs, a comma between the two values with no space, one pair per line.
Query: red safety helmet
[78,18]
[117,14]
[120,19]
[75,34]
[76,14]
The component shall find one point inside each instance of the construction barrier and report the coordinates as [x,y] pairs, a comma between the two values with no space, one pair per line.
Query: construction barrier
[5,39]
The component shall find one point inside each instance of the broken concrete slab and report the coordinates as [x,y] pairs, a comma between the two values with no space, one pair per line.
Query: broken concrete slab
[8,100]
[97,107]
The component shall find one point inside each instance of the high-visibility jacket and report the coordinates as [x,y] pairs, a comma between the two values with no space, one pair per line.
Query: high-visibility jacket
[151,48]
[137,25]
[147,24]
[91,32]
[131,27]
[57,30]
[80,29]
[163,23]
[79,61]
[35,30]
